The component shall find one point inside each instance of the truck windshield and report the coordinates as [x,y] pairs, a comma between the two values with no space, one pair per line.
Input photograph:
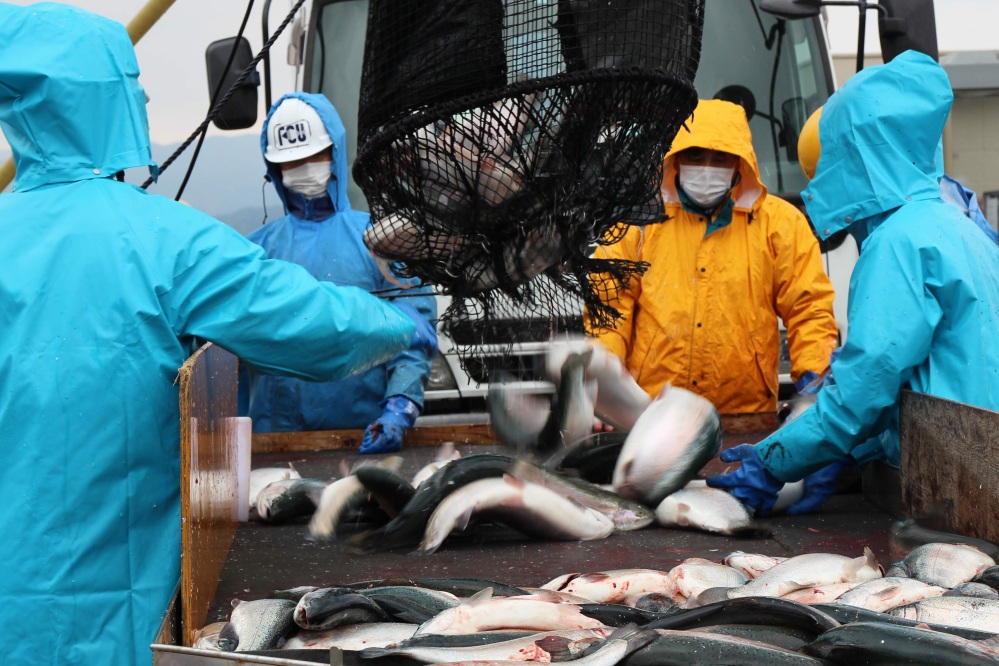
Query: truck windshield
[779,70]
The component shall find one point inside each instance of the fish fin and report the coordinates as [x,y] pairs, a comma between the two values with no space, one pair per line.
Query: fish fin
[664,391]
[623,632]
[462,521]
[375,652]
[888,592]
[482,596]
[682,509]
[546,595]
[867,559]
[445,452]
[344,468]
[560,582]
[557,647]
[514,481]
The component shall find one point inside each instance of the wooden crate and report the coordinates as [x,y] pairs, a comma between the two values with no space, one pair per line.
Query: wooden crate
[950,465]
[208,506]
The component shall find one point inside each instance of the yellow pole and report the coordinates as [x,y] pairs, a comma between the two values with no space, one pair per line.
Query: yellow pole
[137,27]
[6,173]
[146,17]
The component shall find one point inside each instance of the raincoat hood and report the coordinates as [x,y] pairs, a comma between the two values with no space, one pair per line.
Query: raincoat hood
[337,187]
[879,143]
[717,125]
[61,74]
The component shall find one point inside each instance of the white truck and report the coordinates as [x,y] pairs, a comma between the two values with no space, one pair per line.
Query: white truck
[771,56]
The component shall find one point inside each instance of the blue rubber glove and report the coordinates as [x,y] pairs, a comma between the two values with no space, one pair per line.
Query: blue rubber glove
[806,379]
[752,484]
[819,486]
[385,433]
[425,338]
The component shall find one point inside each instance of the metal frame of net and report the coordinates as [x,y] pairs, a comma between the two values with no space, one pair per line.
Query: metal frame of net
[501,140]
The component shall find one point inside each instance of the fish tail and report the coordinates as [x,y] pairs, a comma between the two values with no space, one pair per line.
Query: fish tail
[375,652]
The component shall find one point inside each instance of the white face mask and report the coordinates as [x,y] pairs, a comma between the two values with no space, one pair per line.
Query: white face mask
[308,179]
[707,186]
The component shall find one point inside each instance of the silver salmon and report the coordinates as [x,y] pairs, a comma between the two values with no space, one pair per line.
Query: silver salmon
[671,441]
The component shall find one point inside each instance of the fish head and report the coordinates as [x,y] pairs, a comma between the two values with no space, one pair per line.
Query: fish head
[228,639]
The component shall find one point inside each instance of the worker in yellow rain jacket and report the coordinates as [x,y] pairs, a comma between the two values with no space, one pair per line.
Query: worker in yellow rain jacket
[729,260]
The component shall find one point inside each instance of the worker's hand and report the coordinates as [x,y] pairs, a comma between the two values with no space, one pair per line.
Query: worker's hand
[806,381]
[819,486]
[385,433]
[752,484]
[425,338]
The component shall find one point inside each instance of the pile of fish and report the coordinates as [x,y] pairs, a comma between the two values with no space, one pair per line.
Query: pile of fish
[588,486]
[940,605]
[653,481]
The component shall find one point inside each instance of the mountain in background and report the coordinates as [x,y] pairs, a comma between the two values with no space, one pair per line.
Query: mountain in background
[227,181]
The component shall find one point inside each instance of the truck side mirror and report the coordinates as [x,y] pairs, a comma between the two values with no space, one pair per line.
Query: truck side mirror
[240,111]
[793,115]
[740,95]
[907,24]
[791,9]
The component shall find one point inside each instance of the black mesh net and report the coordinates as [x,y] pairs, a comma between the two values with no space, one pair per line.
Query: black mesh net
[500,140]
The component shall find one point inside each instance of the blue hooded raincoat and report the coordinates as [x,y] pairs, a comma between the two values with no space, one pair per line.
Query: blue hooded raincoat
[324,235]
[924,294]
[103,288]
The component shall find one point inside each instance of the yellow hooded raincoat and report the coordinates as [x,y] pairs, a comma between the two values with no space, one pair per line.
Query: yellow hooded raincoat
[704,316]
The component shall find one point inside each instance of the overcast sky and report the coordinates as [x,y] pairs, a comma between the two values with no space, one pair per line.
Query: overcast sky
[171,55]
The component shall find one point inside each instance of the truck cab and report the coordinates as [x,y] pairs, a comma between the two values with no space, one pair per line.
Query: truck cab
[779,70]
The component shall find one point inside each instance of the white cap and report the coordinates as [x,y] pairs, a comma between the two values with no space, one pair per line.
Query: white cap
[295,131]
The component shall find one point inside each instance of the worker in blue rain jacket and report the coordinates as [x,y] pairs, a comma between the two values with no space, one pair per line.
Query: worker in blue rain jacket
[954,192]
[304,147]
[924,294]
[103,290]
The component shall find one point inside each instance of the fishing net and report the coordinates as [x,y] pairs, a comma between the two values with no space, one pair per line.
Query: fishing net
[499,142]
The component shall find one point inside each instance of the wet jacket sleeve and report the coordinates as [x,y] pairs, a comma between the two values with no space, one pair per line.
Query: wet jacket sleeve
[892,320]
[803,292]
[408,370]
[270,313]
[618,338]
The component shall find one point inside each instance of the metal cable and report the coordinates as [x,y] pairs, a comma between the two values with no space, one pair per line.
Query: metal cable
[229,93]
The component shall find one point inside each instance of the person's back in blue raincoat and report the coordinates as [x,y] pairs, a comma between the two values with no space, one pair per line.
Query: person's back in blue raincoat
[323,235]
[103,288]
[924,294]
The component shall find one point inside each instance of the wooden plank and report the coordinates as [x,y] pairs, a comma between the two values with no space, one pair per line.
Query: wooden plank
[950,465]
[208,479]
[743,424]
[322,440]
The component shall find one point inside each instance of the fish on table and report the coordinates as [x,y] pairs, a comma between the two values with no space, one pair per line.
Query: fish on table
[483,612]
[708,510]
[527,507]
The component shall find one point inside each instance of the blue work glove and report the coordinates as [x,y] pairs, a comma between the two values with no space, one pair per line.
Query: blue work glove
[752,484]
[819,486]
[425,338]
[806,379]
[385,433]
